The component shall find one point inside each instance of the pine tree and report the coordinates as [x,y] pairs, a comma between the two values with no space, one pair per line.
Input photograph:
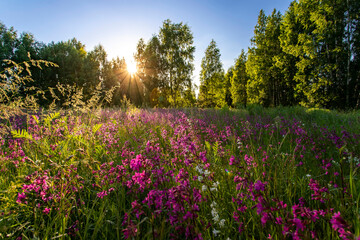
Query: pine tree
[212,90]
[239,81]
[228,76]
[264,76]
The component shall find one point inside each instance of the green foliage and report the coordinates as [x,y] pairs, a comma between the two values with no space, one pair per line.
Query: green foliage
[21,133]
[15,92]
[76,67]
[178,54]
[17,48]
[96,127]
[165,65]
[239,81]
[265,78]
[212,81]
[48,119]
[309,57]
[319,35]
[150,69]
[227,85]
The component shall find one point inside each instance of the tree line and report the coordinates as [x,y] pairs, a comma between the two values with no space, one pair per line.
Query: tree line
[77,68]
[164,77]
[309,56]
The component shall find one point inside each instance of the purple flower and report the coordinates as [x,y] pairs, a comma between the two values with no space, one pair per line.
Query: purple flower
[46,210]
[298,223]
[259,186]
[232,160]
[318,191]
[339,225]
[265,217]
[136,163]
[188,215]
[130,231]
[279,220]
[21,197]
[102,194]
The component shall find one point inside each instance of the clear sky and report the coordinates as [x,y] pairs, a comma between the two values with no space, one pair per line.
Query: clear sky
[119,24]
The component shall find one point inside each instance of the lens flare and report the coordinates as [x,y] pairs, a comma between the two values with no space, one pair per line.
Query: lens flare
[131,67]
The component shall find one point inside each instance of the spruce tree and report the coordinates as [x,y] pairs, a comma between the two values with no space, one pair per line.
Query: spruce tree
[212,89]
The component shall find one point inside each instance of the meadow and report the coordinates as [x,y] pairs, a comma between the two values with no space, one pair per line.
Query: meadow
[255,173]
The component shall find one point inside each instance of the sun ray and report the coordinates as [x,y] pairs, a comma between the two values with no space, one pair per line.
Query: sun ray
[131,66]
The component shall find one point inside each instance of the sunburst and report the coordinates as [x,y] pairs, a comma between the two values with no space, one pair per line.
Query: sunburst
[131,66]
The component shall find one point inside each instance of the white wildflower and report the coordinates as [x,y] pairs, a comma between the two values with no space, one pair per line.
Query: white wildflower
[308,175]
[200,178]
[239,143]
[222,223]
[207,173]
[199,169]
[215,232]
[216,218]
[214,212]
[215,185]
[335,163]
[203,188]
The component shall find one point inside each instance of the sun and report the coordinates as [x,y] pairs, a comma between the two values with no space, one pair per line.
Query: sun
[131,67]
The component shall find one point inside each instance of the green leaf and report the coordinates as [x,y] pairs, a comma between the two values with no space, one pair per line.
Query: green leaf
[21,134]
[96,128]
[51,117]
[36,119]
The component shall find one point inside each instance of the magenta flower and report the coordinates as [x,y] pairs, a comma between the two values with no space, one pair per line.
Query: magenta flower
[337,222]
[47,210]
[21,197]
[265,217]
[279,220]
[299,224]
[136,163]
[340,225]
[102,194]
[259,186]
[130,231]
[232,160]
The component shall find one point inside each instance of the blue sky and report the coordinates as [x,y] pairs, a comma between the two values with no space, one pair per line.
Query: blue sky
[118,24]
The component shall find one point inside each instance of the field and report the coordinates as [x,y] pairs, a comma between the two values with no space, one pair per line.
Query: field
[283,173]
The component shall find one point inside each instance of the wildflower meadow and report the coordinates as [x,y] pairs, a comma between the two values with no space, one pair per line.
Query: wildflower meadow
[283,173]
[202,128]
